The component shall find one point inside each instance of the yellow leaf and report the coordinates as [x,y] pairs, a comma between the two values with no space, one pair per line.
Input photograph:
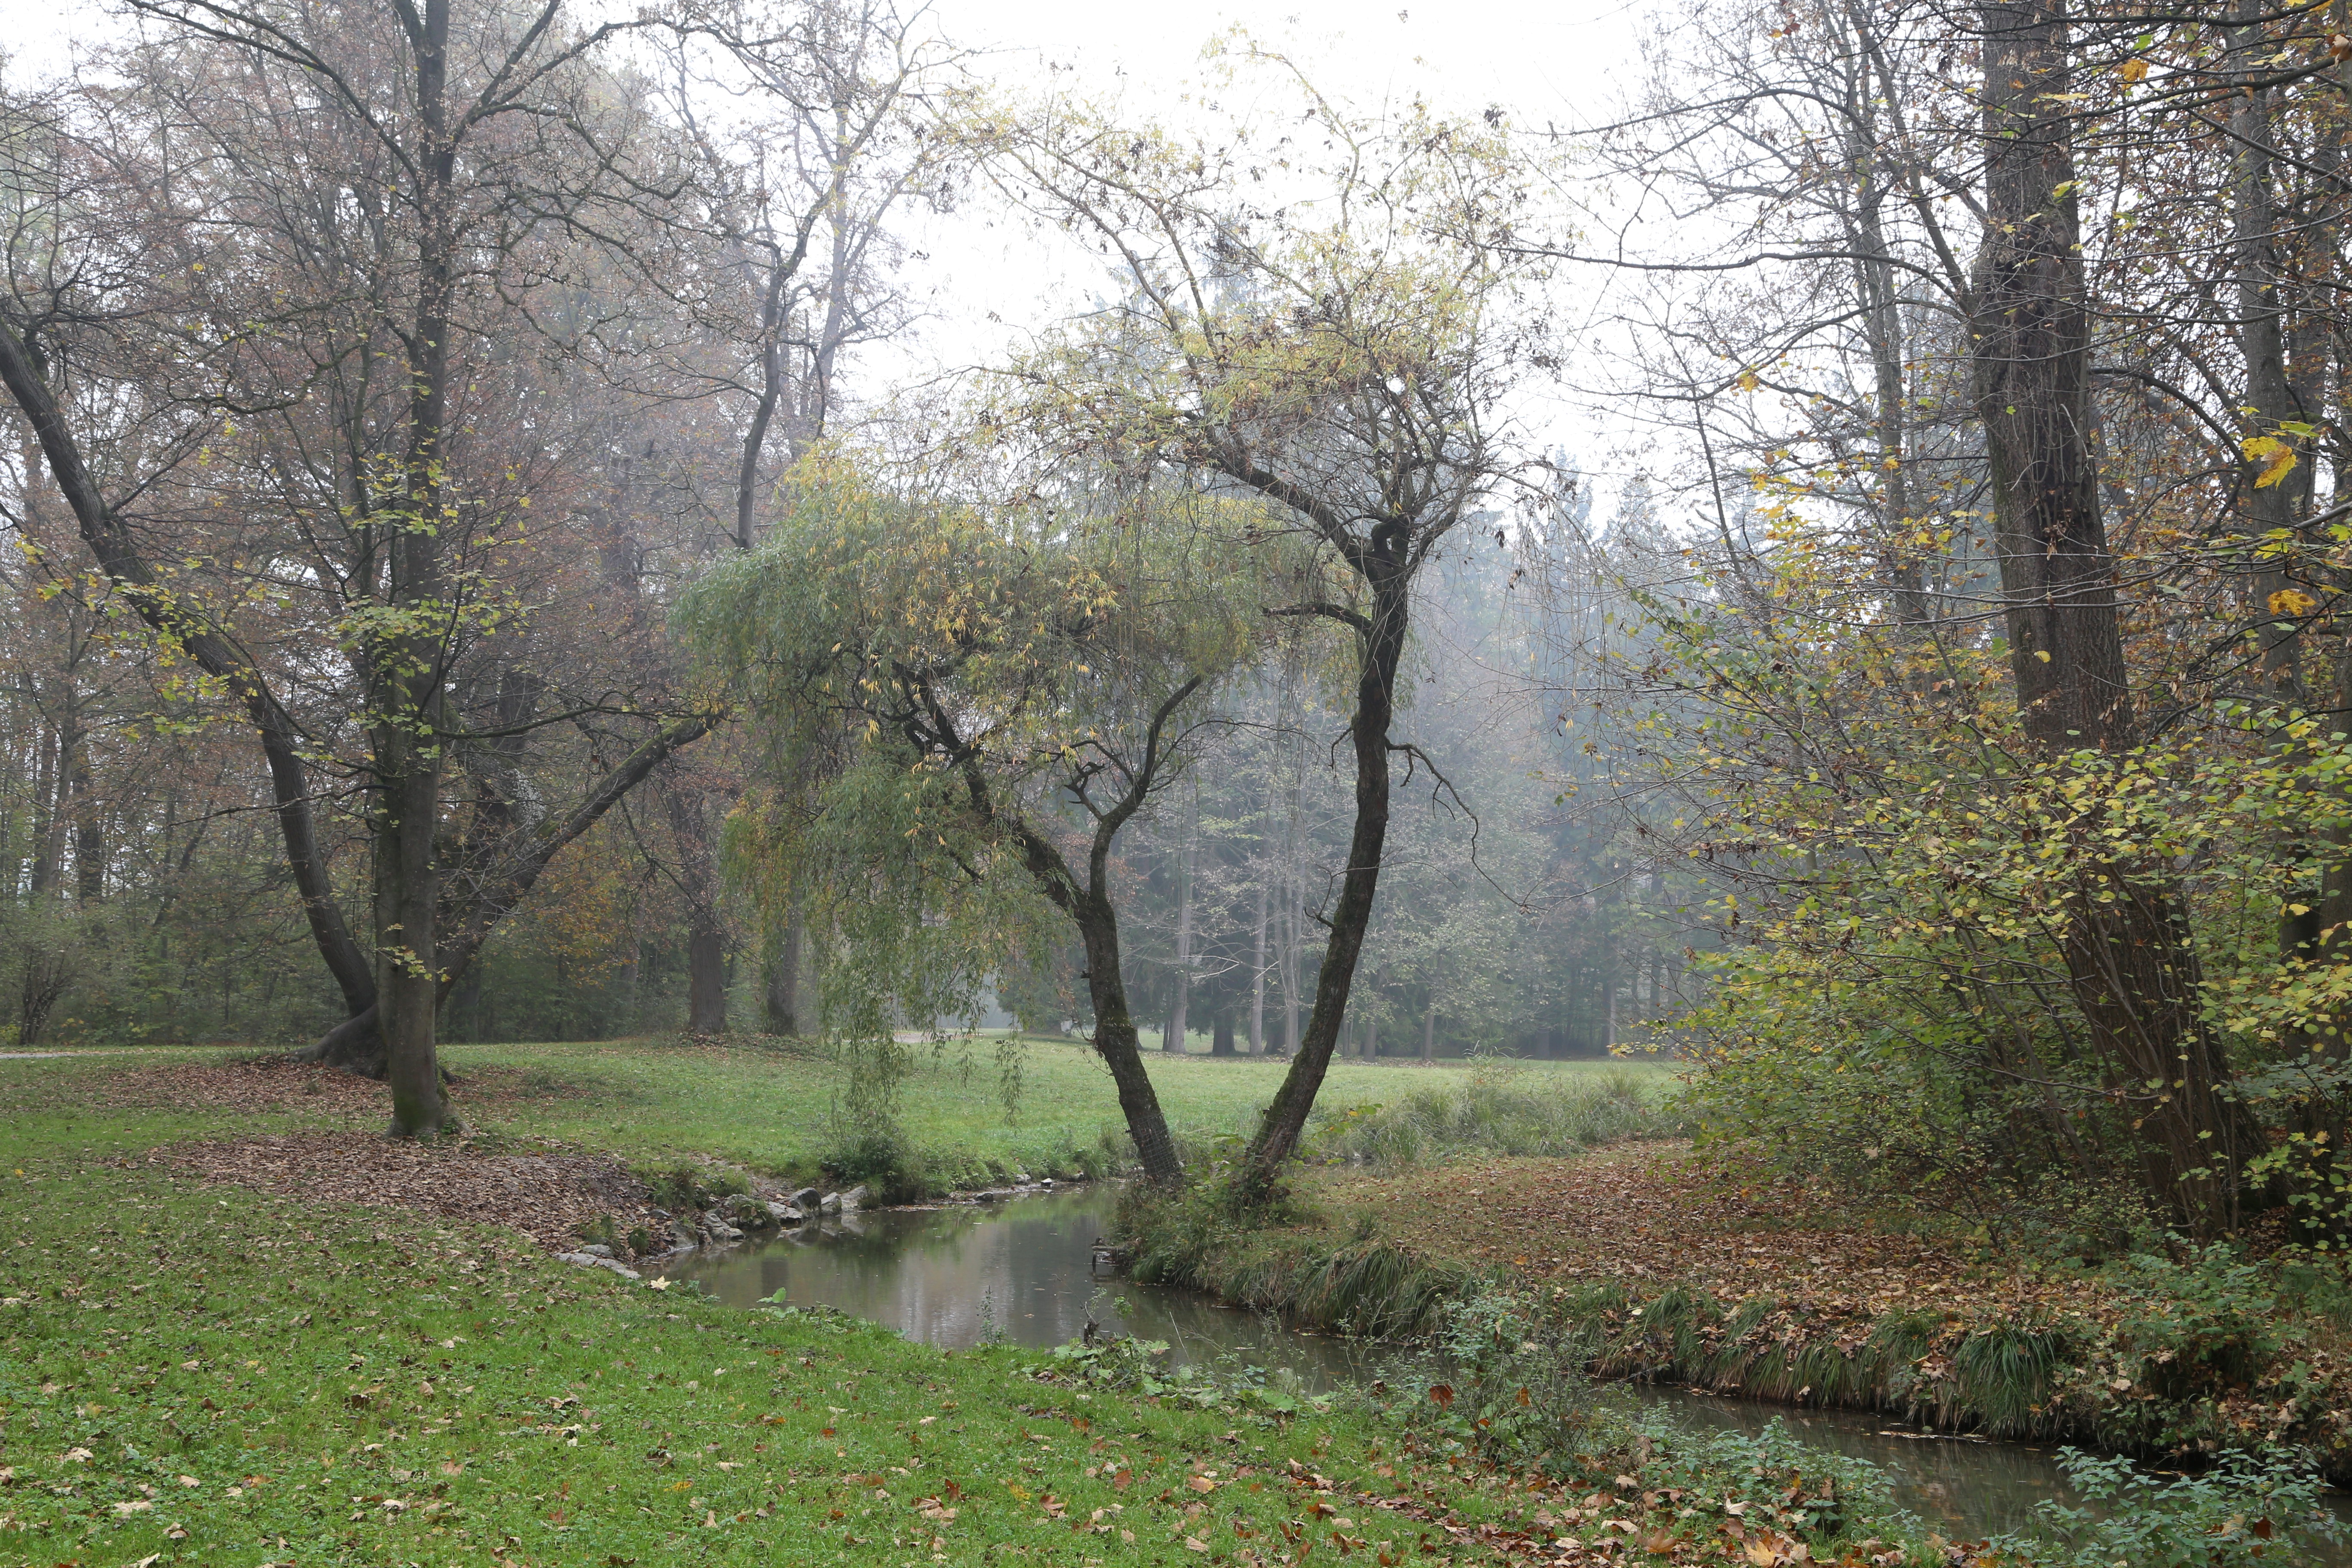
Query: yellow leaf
[2274,455]
[2135,70]
[1747,381]
[2289,602]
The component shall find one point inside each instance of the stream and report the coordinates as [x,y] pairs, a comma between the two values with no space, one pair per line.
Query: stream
[1024,1270]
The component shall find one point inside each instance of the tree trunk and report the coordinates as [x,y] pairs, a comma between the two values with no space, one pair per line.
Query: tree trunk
[48,839]
[1178,1016]
[1220,1038]
[625,983]
[1090,906]
[88,837]
[2271,399]
[1257,979]
[1117,1043]
[2127,954]
[1429,1029]
[1380,650]
[783,977]
[1881,316]
[408,664]
[1286,937]
[706,934]
[705,968]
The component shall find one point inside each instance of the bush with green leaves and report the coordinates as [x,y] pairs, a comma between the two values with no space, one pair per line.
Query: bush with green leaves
[1504,1376]
[1825,1497]
[2244,1510]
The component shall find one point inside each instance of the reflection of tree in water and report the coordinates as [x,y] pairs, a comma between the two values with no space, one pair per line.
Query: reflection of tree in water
[926,1273]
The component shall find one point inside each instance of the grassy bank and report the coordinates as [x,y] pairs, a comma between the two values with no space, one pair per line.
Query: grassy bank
[1650,1263]
[194,1371]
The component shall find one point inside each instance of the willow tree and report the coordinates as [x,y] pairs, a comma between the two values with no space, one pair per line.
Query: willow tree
[1323,312]
[988,694]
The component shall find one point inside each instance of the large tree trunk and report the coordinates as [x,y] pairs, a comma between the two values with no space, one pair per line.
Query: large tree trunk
[1118,1044]
[357,1043]
[1379,648]
[2131,969]
[409,743]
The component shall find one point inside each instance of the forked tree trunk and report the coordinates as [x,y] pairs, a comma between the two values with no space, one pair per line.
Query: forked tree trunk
[1089,907]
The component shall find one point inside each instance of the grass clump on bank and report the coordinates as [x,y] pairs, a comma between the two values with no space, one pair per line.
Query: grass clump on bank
[1362,1284]
[1499,1107]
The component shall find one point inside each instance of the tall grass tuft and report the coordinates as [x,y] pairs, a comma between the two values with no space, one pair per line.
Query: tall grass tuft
[1501,1109]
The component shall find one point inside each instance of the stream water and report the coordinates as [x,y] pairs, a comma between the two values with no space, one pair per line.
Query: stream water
[1025,1269]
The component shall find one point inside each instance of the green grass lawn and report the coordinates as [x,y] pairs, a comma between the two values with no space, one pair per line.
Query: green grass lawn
[772,1111]
[194,1377]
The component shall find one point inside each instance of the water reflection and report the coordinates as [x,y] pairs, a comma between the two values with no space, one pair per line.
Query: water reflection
[1026,1270]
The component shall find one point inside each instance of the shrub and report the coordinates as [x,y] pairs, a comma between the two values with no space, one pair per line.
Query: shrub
[1504,1376]
[686,1186]
[1502,1108]
[880,1155]
[2244,1510]
[1823,1497]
